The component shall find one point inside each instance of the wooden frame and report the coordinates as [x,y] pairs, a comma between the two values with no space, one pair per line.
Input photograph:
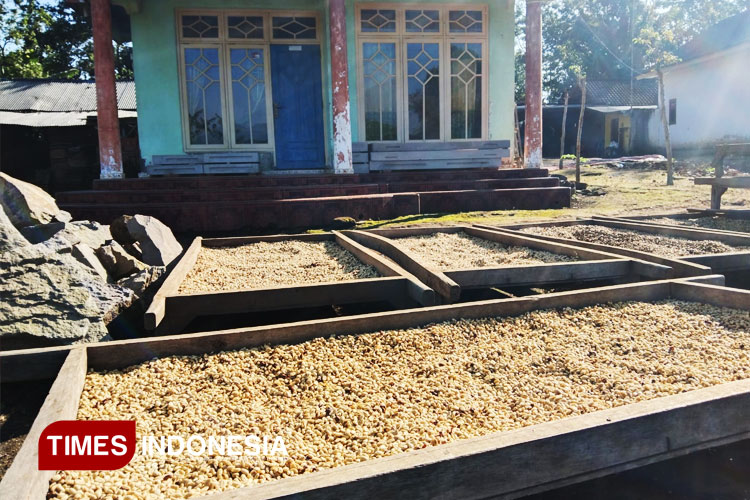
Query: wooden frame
[594,265]
[400,37]
[224,44]
[171,312]
[563,452]
[683,266]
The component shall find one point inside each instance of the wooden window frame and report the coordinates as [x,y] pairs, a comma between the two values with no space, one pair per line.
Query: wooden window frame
[440,41]
[401,37]
[224,43]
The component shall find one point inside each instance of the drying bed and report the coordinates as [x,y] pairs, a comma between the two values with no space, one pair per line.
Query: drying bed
[268,264]
[581,383]
[688,251]
[220,276]
[450,251]
[716,223]
[451,259]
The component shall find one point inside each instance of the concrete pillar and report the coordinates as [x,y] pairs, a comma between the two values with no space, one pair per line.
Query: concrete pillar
[342,128]
[110,152]
[533,130]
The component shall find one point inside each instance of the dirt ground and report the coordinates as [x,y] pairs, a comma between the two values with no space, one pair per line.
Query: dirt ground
[615,192]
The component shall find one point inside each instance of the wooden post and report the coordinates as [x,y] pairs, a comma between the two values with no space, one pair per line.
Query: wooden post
[533,131]
[342,128]
[108,125]
[582,84]
[665,123]
[564,128]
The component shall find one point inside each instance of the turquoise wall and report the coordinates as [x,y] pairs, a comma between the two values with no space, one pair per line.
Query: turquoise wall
[155,63]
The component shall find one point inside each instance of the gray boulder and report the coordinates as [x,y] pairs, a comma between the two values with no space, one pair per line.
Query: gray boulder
[141,280]
[117,261]
[86,256]
[49,299]
[26,204]
[158,245]
[90,233]
[10,237]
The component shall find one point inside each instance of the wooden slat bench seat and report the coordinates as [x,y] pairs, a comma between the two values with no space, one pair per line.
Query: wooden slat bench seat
[719,184]
[437,155]
[208,163]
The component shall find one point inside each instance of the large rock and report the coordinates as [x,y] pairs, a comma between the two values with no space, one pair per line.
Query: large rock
[10,238]
[117,261]
[51,299]
[26,204]
[86,256]
[89,233]
[158,245]
[140,281]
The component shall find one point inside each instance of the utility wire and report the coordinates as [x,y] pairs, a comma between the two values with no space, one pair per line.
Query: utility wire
[596,37]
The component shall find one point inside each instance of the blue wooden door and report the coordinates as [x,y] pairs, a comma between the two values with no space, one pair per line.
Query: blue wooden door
[297,106]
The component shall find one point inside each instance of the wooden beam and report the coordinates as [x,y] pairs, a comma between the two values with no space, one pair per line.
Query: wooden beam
[737,261]
[694,228]
[155,312]
[681,269]
[23,480]
[436,280]
[711,294]
[249,240]
[418,291]
[540,275]
[676,231]
[536,458]
[742,182]
[182,309]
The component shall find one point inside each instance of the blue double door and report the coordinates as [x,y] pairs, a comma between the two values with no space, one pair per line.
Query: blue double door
[297,106]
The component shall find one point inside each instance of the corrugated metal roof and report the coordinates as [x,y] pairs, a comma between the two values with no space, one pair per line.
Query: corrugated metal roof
[54,96]
[617,93]
[54,119]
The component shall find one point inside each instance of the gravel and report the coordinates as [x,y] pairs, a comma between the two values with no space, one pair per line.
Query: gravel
[721,223]
[273,264]
[448,251]
[665,246]
[347,399]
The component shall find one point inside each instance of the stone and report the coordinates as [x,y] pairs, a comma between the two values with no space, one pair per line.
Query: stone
[119,230]
[158,245]
[117,261]
[343,223]
[10,237]
[92,234]
[63,216]
[140,281]
[26,204]
[48,299]
[86,256]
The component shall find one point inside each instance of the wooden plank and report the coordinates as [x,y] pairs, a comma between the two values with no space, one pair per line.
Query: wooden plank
[537,275]
[176,159]
[680,232]
[119,354]
[361,157]
[646,221]
[420,292]
[436,280]
[405,232]
[231,168]
[680,268]
[230,158]
[455,154]
[435,164]
[182,309]
[438,146]
[711,294]
[742,182]
[155,312]
[360,147]
[536,458]
[736,261]
[196,169]
[23,480]
[248,240]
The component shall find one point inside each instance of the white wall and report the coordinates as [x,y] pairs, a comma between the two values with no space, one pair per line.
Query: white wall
[713,101]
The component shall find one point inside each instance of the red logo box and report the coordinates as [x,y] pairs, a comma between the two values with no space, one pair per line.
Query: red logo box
[87,445]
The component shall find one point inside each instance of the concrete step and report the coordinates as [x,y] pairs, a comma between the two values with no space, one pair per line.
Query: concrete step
[268,215]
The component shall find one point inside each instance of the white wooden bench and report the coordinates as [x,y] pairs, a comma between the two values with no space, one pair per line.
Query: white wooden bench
[207,163]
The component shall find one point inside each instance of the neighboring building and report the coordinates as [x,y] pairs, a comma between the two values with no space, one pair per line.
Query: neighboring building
[615,112]
[48,132]
[708,93]
[241,76]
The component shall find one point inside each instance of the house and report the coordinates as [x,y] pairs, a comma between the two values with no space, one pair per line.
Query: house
[48,132]
[707,94]
[360,94]
[616,111]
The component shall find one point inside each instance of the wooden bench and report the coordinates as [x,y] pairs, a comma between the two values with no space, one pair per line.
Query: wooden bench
[207,163]
[719,184]
[437,155]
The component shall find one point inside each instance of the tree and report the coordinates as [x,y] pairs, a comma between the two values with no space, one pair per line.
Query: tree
[582,85]
[42,40]
[564,128]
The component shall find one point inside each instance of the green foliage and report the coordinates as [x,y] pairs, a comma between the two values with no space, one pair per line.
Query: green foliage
[612,39]
[50,40]
[573,157]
